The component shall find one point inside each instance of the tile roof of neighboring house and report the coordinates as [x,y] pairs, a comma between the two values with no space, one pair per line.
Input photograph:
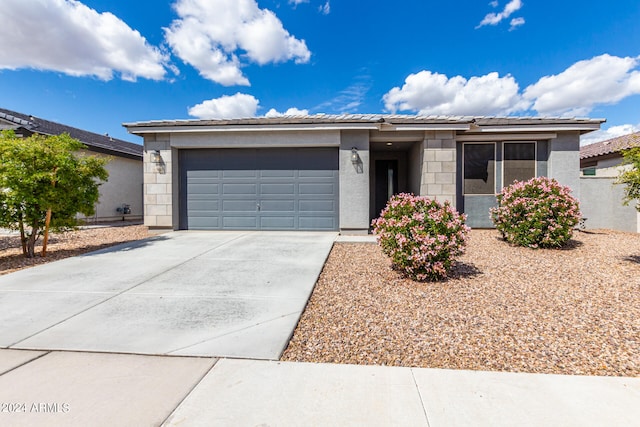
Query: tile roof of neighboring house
[610,146]
[369,118]
[94,141]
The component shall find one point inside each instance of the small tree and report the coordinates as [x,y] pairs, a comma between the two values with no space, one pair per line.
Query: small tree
[44,183]
[631,177]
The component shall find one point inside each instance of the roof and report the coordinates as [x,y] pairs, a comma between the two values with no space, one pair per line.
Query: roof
[610,146]
[94,141]
[392,119]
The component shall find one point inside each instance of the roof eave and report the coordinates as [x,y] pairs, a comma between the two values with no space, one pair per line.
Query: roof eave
[141,129]
[144,128]
[564,127]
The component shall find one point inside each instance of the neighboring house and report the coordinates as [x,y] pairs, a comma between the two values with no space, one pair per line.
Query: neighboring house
[600,164]
[327,172]
[124,186]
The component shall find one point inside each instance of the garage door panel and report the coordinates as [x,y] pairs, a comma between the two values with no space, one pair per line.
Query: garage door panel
[204,196]
[203,205]
[267,206]
[244,189]
[271,189]
[232,174]
[204,223]
[203,181]
[309,206]
[277,174]
[239,206]
[317,223]
[204,189]
[277,189]
[278,223]
[316,189]
[240,222]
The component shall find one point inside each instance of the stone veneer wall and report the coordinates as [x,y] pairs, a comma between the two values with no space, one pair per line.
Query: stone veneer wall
[158,183]
[439,166]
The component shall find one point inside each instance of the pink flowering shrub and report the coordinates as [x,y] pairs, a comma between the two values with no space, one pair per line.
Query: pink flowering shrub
[421,236]
[539,213]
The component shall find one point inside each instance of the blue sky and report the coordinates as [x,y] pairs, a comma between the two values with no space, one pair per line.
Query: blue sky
[95,64]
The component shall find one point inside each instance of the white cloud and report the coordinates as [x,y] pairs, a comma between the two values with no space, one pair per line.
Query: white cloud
[325,9]
[494,3]
[516,22]
[293,111]
[214,35]
[576,91]
[235,106]
[611,132]
[297,2]
[603,79]
[67,36]
[434,93]
[495,18]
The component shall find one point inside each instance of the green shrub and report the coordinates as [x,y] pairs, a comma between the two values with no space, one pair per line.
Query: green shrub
[539,213]
[421,236]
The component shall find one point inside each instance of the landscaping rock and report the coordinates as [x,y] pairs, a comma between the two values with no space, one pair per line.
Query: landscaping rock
[64,245]
[564,311]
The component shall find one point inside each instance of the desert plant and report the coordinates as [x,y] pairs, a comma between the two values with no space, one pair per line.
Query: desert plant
[421,236]
[539,213]
[631,177]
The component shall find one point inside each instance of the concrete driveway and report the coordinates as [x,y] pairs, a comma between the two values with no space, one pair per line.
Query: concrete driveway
[225,294]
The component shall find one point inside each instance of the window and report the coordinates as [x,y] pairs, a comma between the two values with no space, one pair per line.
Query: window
[519,162]
[479,168]
[589,171]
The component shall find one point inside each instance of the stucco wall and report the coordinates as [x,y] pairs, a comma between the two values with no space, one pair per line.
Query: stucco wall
[609,167]
[354,183]
[124,186]
[564,160]
[601,204]
[256,139]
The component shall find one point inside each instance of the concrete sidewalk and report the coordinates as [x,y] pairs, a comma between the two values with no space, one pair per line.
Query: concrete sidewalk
[81,389]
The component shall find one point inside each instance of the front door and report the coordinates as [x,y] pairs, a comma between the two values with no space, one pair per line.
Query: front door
[386,183]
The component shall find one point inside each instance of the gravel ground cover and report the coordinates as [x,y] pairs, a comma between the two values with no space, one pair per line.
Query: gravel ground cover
[504,308]
[64,245]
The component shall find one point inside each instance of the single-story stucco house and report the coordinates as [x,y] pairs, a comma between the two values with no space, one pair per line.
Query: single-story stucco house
[604,158]
[124,186]
[600,165]
[330,172]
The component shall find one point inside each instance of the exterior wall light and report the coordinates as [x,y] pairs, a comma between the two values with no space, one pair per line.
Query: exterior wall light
[355,158]
[156,157]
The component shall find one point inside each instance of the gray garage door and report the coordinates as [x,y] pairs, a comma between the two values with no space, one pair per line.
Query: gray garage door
[259,189]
